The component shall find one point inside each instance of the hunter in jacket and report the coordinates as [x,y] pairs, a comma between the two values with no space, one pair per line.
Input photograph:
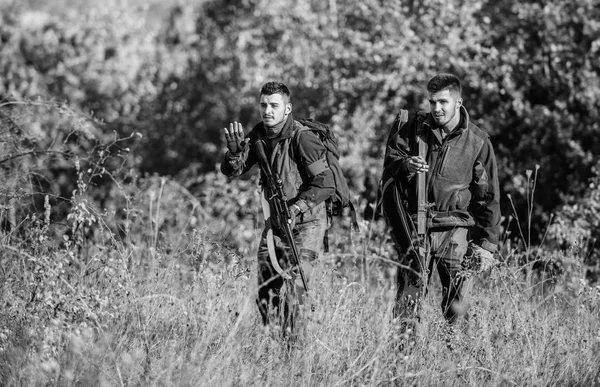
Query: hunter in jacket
[307,181]
[462,193]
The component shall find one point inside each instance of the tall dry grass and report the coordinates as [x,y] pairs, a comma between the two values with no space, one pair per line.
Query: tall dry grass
[170,308]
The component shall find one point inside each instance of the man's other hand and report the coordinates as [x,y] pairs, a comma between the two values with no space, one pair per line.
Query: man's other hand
[294,212]
[486,258]
[417,164]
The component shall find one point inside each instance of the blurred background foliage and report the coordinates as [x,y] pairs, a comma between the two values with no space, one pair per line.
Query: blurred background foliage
[155,82]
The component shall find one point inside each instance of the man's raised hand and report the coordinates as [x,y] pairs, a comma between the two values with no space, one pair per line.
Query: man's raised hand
[235,137]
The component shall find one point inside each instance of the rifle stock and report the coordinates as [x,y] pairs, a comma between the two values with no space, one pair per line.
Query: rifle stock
[283,214]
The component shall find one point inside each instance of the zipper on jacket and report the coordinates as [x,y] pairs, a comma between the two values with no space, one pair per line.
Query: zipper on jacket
[442,158]
[444,151]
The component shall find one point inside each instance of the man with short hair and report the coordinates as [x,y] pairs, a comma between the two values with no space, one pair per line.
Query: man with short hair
[462,194]
[298,157]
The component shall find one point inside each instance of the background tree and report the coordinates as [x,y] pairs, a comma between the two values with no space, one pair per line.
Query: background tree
[178,74]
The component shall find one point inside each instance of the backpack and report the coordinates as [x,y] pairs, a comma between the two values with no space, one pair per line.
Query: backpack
[341,198]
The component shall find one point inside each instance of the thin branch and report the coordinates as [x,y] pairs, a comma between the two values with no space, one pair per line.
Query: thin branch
[32,152]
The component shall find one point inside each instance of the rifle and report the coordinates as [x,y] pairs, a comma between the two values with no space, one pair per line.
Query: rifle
[278,199]
[420,187]
[391,203]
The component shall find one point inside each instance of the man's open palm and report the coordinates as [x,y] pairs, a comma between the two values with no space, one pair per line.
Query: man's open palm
[235,137]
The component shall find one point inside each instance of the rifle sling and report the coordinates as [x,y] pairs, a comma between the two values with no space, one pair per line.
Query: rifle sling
[269,237]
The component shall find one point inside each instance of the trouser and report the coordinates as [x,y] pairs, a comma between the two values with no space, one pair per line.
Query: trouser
[280,299]
[446,249]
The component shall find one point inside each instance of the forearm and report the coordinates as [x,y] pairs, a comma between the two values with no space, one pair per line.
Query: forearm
[487,233]
[317,178]
[486,194]
[396,166]
[320,188]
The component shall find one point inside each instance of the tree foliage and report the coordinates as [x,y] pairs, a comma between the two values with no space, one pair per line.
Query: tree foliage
[179,73]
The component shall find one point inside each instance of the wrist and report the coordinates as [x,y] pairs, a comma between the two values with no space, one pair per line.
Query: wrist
[302,206]
[235,157]
[296,209]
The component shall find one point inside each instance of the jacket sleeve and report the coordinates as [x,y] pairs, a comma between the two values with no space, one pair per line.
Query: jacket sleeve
[236,164]
[397,153]
[311,159]
[485,205]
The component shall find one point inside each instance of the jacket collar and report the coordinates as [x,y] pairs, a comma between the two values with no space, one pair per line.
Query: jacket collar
[286,132]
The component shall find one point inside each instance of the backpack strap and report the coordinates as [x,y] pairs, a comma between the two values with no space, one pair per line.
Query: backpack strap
[298,128]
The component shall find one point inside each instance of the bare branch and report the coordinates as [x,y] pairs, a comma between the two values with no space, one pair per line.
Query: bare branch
[32,152]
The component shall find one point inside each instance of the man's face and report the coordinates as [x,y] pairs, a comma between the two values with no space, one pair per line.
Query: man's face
[444,106]
[274,109]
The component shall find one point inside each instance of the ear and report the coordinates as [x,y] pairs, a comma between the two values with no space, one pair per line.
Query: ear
[458,103]
[288,108]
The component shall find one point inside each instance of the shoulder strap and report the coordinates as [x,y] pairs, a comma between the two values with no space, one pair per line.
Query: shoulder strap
[299,128]
[403,115]
[399,122]
[295,138]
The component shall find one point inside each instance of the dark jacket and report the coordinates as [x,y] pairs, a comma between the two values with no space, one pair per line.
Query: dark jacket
[300,162]
[462,182]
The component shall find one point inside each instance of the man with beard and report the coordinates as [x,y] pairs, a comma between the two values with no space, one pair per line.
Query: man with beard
[461,200]
[298,157]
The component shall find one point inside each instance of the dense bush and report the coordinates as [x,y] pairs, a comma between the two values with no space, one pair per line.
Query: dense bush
[577,226]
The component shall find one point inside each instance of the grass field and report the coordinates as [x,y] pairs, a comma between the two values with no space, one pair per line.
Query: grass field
[145,315]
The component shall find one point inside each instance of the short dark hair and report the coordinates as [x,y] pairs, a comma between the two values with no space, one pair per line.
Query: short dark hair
[270,88]
[444,81]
